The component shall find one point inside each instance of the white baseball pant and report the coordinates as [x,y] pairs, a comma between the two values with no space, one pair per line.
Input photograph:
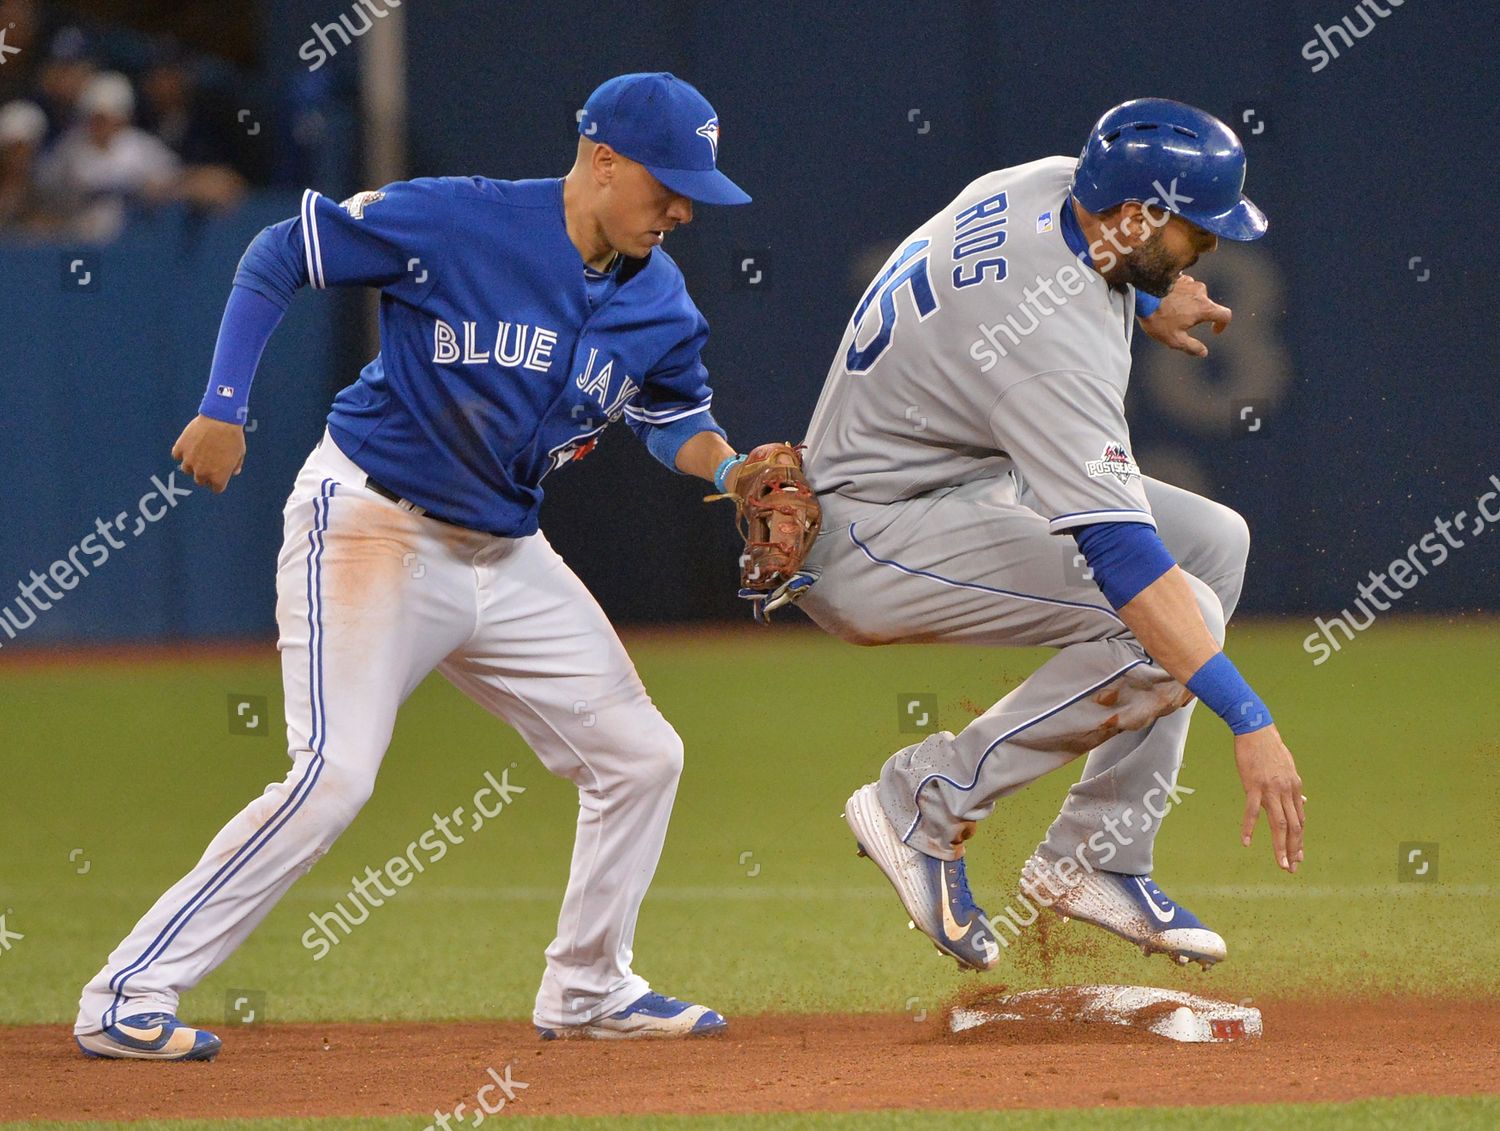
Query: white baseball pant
[371,598]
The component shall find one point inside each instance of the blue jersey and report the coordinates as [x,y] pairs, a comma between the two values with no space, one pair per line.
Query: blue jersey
[499,361]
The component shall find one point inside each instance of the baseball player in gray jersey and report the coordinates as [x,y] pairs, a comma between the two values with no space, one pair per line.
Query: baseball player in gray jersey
[970,439]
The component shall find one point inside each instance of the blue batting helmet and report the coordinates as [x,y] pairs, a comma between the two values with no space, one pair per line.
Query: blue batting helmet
[1175,155]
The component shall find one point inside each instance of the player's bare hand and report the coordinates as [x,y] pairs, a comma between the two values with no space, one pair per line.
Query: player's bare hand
[211,451]
[1271,783]
[1187,305]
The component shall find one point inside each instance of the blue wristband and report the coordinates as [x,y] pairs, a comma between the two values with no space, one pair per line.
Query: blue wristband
[1219,684]
[723,470]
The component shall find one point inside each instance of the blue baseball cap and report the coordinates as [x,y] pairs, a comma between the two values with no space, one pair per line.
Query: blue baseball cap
[666,125]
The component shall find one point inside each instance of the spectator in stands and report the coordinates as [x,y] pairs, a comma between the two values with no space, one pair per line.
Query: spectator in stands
[177,110]
[23,126]
[62,78]
[104,165]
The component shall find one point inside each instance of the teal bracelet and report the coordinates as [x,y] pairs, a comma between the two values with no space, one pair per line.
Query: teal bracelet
[723,470]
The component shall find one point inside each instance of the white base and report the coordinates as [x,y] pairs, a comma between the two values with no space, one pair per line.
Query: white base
[1195,1020]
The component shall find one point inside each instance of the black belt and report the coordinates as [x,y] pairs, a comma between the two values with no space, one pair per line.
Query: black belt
[386,493]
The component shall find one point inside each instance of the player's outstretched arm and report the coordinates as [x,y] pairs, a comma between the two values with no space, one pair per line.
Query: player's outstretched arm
[1186,305]
[1165,618]
[372,239]
[1145,586]
[212,447]
[779,514]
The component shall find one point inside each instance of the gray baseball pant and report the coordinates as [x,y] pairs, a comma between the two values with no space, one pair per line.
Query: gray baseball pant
[974,564]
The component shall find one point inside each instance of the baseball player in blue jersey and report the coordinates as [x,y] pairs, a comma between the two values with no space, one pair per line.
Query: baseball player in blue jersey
[518,320]
[970,439]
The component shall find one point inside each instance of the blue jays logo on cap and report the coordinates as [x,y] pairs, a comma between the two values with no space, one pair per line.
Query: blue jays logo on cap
[710,130]
[662,122]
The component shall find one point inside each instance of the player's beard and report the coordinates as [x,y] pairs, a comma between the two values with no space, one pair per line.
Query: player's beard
[1151,267]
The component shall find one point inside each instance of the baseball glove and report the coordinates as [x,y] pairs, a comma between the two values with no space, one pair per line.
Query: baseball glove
[779,517]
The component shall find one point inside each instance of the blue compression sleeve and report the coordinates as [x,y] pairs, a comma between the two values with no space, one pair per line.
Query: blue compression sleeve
[270,271]
[1125,557]
[1145,305]
[249,320]
[664,441]
[1219,684]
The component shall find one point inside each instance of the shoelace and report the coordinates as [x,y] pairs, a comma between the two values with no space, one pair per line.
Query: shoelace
[1158,896]
[959,878]
[652,1002]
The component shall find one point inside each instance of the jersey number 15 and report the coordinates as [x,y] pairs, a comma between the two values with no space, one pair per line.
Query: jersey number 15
[908,270]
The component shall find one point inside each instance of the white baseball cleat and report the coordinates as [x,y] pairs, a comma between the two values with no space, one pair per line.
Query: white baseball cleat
[149,1036]
[1132,907]
[934,892]
[650,1015]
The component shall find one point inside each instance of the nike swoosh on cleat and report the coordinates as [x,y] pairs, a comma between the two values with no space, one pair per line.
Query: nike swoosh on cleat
[1151,903]
[144,1035]
[951,926]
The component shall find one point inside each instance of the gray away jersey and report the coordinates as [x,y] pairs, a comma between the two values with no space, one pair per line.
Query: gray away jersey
[984,344]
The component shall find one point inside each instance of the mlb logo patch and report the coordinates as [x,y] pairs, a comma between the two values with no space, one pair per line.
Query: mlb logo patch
[225,390]
[1114,460]
[1044,222]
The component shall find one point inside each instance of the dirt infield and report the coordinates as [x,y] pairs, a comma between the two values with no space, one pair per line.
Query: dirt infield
[1312,1051]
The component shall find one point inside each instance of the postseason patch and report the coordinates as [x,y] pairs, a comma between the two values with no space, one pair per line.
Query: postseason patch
[1115,461]
[357,203]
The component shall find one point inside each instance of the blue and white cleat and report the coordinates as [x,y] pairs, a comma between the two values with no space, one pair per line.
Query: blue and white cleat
[1132,907]
[149,1036]
[650,1015]
[934,892]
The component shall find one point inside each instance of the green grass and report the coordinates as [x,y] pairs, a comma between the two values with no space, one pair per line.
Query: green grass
[1407,1114]
[760,903]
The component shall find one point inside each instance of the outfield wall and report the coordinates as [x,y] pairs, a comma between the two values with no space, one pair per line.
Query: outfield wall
[1350,407]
